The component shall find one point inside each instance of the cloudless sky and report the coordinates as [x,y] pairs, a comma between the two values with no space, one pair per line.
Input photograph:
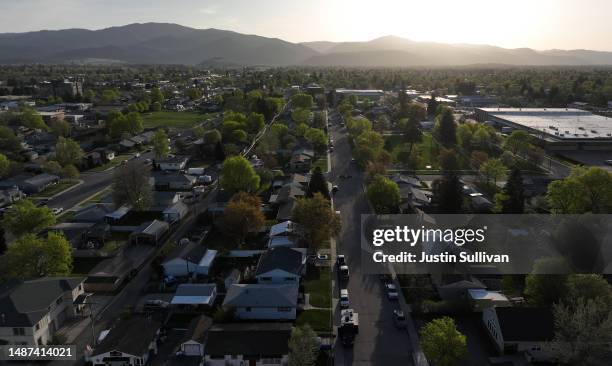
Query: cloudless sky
[539,24]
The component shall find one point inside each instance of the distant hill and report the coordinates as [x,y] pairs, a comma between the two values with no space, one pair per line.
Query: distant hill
[163,43]
[150,43]
[393,51]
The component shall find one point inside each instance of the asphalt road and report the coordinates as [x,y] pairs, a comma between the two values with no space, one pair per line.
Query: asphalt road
[379,342]
[93,182]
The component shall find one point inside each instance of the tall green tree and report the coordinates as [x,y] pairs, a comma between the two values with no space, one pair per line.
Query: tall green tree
[303,346]
[318,184]
[411,133]
[301,100]
[515,203]
[493,169]
[384,194]
[5,165]
[24,217]
[130,186]
[518,142]
[547,283]
[237,175]
[448,194]
[157,96]
[68,152]
[442,343]
[583,331]
[161,146]
[446,129]
[317,219]
[212,137]
[30,256]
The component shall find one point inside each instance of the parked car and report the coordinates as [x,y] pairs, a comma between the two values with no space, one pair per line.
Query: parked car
[343,272]
[391,291]
[344,298]
[335,189]
[155,304]
[340,260]
[58,210]
[399,319]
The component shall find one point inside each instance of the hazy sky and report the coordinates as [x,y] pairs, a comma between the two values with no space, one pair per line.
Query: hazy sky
[540,24]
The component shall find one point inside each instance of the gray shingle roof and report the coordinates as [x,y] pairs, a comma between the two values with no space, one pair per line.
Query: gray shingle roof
[256,295]
[287,259]
[25,303]
[130,335]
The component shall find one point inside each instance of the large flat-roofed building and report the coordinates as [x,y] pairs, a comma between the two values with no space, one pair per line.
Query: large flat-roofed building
[371,94]
[556,128]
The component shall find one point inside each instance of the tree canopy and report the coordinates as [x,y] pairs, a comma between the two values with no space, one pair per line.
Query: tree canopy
[238,175]
[24,217]
[442,343]
[317,219]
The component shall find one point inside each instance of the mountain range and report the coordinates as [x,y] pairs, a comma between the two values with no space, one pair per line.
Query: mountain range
[164,43]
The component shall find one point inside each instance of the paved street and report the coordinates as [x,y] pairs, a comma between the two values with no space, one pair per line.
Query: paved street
[379,342]
[93,182]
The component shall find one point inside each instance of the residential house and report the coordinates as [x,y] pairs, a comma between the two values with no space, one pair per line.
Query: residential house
[176,212]
[192,345]
[105,154]
[483,299]
[241,344]
[262,302]
[174,182]
[93,213]
[525,330]
[92,159]
[280,265]
[283,235]
[108,275]
[172,163]
[164,199]
[129,343]
[300,162]
[9,196]
[31,312]
[195,295]
[197,261]
[285,200]
[150,233]
[30,184]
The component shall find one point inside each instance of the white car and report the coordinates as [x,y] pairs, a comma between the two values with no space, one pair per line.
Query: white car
[58,210]
[391,291]
[344,298]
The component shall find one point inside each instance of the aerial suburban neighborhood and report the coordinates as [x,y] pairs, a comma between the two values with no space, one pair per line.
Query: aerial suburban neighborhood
[182,196]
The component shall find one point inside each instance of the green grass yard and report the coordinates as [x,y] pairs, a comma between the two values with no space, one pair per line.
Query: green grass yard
[319,320]
[174,119]
[318,284]
[56,188]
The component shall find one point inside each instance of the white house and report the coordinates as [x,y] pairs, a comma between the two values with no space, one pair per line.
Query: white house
[32,311]
[176,212]
[259,344]
[195,338]
[280,265]
[521,330]
[172,163]
[129,343]
[197,261]
[195,294]
[262,302]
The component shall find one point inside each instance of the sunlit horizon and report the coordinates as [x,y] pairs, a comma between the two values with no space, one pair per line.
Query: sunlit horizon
[539,24]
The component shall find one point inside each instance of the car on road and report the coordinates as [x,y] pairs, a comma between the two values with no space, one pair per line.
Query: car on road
[136,155]
[344,298]
[399,319]
[609,162]
[391,291]
[57,210]
[340,260]
[335,189]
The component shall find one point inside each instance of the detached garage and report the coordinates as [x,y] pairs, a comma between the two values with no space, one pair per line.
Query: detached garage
[193,343]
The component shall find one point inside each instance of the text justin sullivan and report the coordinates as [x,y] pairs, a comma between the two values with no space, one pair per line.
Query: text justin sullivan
[446,257]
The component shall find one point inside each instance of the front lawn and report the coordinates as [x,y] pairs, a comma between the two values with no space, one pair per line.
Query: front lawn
[56,188]
[321,163]
[174,119]
[319,320]
[317,283]
[116,161]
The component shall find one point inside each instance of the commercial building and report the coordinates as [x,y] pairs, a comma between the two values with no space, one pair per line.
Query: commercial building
[556,128]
